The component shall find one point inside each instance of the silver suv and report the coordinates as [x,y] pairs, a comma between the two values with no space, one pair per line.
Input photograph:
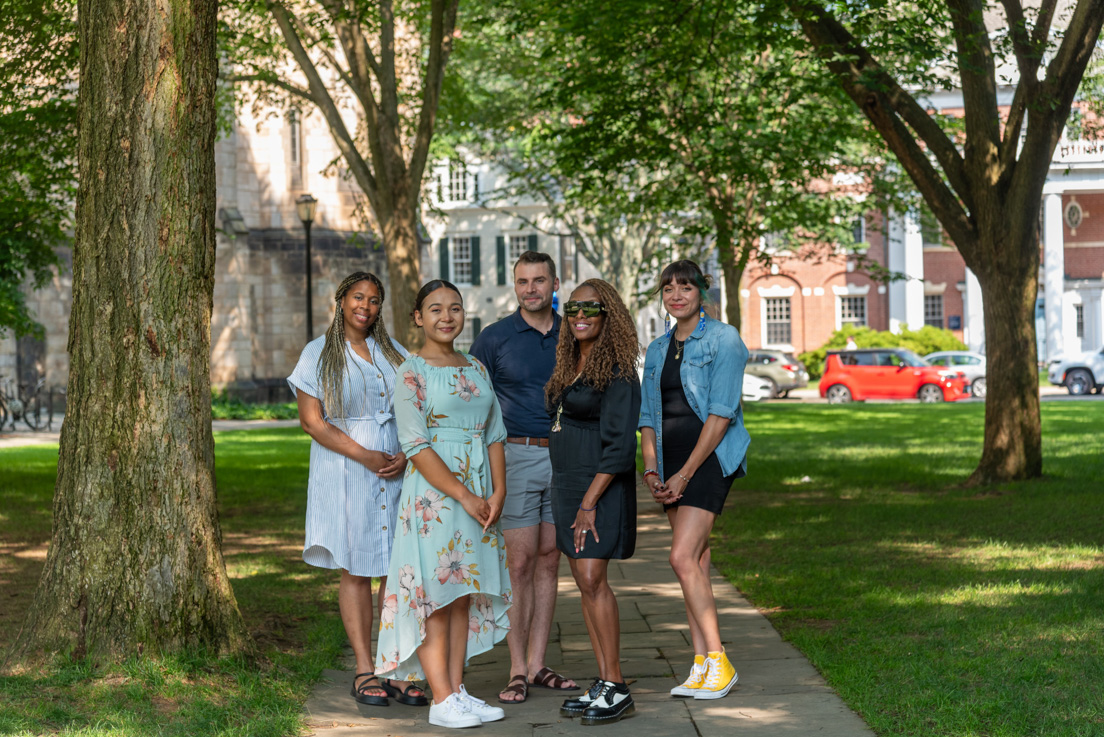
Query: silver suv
[782,370]
[1080,374]
[972,366]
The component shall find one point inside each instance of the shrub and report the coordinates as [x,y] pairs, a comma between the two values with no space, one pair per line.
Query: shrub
[923,341]
[224,407]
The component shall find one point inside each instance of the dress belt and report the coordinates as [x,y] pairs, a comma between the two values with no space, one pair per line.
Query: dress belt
[540,442]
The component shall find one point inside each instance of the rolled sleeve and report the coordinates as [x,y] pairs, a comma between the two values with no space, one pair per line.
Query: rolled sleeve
[726,381]
[617,425]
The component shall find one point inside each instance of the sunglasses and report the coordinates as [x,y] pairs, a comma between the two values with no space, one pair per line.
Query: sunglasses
[589,309]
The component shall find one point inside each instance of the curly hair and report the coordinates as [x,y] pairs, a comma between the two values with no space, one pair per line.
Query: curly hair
[615,353]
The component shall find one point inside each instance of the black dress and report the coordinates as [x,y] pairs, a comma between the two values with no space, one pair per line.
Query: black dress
[597,435]
[709,487]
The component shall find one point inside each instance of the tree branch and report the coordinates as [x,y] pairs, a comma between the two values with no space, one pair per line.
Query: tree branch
[889,107]
[977,73]
[324,102]
[269,79]
[442,27]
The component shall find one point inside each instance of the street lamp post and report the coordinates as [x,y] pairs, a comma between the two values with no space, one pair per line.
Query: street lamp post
[305,207]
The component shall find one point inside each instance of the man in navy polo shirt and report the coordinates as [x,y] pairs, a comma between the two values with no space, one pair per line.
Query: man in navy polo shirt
[519,351]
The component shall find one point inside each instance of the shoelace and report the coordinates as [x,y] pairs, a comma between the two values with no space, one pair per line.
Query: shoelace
[594,690]
[607,688]
[713,676]
[697,674]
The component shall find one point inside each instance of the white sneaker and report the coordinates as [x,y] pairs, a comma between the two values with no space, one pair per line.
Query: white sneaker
[481,708]
[453,713]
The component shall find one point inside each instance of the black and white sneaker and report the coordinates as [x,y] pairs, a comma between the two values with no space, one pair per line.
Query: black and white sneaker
[612,703]
[575,706]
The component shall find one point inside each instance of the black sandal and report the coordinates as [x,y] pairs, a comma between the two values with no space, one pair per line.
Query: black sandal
[404,697]
[359,692]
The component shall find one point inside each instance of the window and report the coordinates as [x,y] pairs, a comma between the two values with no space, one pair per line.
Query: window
[519,244]
[458,181]
[1079,314]
[933,310]
[567,257]
[852,311]
[778,320]
[295,148]
[931,231]
[858,229]
[462,260]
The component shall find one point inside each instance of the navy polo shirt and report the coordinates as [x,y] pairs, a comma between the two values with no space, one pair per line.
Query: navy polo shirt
[520,361]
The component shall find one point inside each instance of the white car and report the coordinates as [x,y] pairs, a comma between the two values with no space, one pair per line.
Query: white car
[756,389]
[1080,374]
[972,366]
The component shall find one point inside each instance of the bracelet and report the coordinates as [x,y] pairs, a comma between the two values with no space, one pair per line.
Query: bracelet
[649,472]
[584,509]
[684,478]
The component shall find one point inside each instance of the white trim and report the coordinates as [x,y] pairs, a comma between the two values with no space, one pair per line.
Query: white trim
[776,291]
[851,290]
[934,288]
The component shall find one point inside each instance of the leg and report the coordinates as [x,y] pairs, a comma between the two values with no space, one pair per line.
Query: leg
[458,640]
[603,624]
[354,599]
[545,583]
[697,637]
[690,544]
[521,552]
[434,653]
[404,691]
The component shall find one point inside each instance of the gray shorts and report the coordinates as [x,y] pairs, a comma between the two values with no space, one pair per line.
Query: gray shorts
[528,487]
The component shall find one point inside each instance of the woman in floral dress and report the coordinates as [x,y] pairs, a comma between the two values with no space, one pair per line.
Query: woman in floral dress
[448,589]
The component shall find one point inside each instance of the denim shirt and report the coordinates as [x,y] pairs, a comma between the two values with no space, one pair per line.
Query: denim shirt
[712,373]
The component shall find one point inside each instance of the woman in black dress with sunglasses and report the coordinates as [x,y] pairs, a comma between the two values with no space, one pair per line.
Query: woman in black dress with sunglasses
[594,398]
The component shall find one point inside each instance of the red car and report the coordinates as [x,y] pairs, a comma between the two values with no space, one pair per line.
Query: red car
[888,373]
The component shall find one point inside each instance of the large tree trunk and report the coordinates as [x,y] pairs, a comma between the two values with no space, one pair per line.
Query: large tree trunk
[400,238]
[135,562]
[1009,286]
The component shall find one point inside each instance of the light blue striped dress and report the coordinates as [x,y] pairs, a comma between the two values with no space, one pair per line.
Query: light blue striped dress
[351,511]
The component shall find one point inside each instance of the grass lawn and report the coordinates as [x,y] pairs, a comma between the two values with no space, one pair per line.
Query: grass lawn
[933,609]
[290,608]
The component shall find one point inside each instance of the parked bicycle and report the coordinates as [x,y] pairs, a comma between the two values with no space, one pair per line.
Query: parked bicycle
[26,403]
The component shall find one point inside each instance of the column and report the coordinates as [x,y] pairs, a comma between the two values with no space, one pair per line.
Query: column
[906,256]
[973,316]
[1054,269]
[1094,319]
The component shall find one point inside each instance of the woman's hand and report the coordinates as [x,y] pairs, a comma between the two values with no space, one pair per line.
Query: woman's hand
[655,485]
[395,464]
[477,508]
[676,486]
[584,523]
[374,460]
[495,503]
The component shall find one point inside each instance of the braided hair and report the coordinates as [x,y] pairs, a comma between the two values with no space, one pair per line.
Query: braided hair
[614,354]
[331,364]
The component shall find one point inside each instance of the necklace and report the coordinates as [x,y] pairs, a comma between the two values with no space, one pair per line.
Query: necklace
[679,345]
[559,410]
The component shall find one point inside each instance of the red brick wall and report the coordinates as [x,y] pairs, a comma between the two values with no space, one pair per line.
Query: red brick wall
[1084,257]
[945,266]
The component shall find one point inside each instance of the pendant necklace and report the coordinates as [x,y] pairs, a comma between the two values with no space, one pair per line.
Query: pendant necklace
[679,344]
[559,410]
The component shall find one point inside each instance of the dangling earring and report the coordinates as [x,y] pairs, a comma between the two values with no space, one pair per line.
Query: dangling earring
[701,317]
[667,325]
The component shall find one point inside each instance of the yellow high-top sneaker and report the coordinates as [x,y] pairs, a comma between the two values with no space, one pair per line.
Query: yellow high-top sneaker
[720,677]
[694,682]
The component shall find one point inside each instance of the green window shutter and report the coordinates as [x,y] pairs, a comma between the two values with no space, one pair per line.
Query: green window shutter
[477,325]
[500,250]
[442,246]
[533,242]
[476,264]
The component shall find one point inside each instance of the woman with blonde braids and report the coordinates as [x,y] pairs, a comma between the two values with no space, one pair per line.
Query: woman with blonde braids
[594,399]
[344,384]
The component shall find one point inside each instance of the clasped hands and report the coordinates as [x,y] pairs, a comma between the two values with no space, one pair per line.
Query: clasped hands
[484,511]
[385,465]
[665,493]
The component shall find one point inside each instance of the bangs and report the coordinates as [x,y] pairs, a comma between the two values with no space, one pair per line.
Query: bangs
[682,272]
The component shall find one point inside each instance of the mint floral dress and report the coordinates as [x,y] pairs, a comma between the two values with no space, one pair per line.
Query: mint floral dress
[440,552]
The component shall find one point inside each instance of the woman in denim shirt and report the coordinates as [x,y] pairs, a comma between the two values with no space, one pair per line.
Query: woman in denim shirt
[695,446]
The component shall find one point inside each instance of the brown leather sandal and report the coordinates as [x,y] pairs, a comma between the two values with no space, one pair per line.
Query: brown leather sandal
[550,679]
[519,686]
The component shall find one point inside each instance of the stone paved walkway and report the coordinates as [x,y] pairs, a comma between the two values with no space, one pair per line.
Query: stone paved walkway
[779,692]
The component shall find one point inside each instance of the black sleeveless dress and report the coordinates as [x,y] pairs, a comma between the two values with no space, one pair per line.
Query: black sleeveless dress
[597,435]
[708,488]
